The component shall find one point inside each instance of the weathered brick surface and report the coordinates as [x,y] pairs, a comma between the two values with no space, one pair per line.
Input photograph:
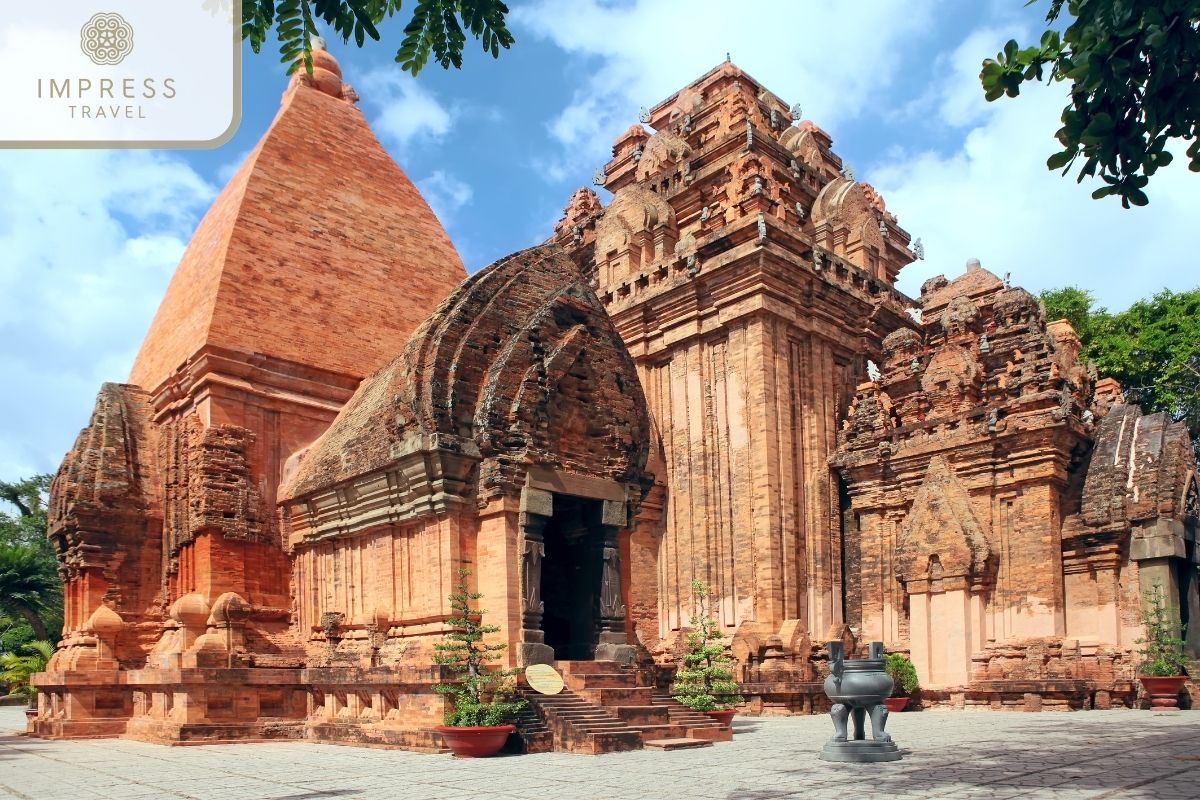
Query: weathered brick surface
[748,277]
[1007,507]
[518,373]
[319,251]
[712,377]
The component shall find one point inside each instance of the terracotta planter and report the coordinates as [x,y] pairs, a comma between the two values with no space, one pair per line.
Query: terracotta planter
[723,716]
[476,741]
[31,714]
[1163,692]
[895,703]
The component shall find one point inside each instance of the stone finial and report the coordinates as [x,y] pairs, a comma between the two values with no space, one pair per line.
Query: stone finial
[918,249]
[326,75]
[599,178]
[191,609]
[643,114]
[796,112]
[104,621]
[973,264]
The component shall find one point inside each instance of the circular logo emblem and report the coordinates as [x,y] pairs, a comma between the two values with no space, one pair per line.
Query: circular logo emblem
[106,38]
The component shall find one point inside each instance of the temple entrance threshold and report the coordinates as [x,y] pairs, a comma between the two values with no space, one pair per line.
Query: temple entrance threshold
[572,603]
[571,578]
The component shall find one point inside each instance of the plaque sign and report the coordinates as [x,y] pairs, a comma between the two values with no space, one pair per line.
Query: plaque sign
[544,679]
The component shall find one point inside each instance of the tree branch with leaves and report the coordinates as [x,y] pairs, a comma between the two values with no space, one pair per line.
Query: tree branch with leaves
[1134,74]
[437,28]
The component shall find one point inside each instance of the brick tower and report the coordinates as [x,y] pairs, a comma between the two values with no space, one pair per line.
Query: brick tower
[750,277]
[309,272]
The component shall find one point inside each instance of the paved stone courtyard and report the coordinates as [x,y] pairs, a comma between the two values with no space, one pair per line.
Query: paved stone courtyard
[1098,754]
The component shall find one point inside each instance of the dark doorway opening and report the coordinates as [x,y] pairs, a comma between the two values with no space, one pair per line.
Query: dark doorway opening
[571,573]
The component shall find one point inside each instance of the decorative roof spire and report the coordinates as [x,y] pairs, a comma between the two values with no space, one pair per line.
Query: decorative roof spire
[326,75]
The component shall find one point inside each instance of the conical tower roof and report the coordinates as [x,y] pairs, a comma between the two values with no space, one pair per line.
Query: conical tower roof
[319,251]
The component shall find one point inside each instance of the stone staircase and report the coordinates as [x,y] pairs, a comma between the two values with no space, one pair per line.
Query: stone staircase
[605,709]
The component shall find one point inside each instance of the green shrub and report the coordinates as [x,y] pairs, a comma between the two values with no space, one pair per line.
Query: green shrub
[705,680]
[482,695]
[903,672]
[16,669]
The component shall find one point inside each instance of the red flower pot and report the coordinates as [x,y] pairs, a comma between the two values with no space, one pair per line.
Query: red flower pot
[31,714]
[895,703]
[1163,692]
[475,741]
[723,716]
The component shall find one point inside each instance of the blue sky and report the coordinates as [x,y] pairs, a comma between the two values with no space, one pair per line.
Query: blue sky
[88,239]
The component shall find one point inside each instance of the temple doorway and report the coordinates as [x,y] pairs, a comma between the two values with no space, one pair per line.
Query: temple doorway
[571,578]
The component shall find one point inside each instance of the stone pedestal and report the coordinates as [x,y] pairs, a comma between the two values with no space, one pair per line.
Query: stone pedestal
[861,751]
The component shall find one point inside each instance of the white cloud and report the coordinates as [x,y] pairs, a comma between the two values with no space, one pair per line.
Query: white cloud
[835,59]
[445,194]
[88,241]
[993,198]
[406,111]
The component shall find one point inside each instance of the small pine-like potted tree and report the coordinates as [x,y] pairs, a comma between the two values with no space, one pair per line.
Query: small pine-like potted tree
[904,680]
[1165,665]
[704,682]
[478,725]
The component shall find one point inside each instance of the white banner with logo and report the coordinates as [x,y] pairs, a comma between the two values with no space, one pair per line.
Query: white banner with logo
[120,73]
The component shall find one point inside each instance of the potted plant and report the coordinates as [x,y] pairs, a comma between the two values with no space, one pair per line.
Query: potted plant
[1165,665]
[478,725]
[904,680]
[705,681]
[16,670]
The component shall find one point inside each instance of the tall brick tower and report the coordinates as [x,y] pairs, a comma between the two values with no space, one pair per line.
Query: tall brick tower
[750,277]
[309,272]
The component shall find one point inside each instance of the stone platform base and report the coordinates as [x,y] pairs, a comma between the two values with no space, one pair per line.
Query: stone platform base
[377,735]
[175,733]
[860,751]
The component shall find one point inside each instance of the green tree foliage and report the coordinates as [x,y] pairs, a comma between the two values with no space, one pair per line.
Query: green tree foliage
[903,672]
[1152,348]
[483,695]
[1134,71]
[16,668]
[705,680]
[30,587]
[1163,644]
[437,28]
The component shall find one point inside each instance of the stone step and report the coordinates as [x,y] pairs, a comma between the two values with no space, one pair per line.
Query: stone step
[643,715]
[587,667]
[666,731]
[639,696]
[602,680]
[718,733]
[603,727]
[678,743]
[608,742]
